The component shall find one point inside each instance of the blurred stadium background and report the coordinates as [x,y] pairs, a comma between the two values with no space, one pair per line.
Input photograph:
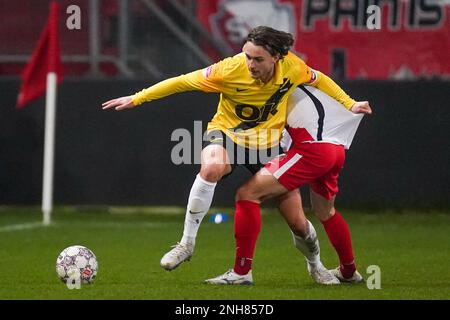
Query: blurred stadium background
[400,156]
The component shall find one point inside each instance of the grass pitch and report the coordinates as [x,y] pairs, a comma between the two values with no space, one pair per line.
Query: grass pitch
[411,248]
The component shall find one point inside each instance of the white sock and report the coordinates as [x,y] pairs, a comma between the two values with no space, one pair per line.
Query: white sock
[200,199]
[309,245]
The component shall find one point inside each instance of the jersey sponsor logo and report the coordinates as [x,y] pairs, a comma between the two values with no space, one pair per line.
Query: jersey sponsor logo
[252,116]
[239,89]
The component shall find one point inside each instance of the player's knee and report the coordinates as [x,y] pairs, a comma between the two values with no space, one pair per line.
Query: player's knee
[323,213]
[214,172]
[244,193]
[240,194]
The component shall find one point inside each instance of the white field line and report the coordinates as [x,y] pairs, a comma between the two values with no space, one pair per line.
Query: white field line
[28,226]
[21,226]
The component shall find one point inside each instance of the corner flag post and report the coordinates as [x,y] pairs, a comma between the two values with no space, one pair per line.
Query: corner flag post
[53,73]
[49,147]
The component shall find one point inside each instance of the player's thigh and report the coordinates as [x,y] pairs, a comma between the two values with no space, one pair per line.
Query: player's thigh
[215,162]
[260,187]
[293,169]
[322,207]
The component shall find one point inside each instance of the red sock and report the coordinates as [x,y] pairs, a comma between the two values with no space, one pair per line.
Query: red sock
[339,235]
[247,225]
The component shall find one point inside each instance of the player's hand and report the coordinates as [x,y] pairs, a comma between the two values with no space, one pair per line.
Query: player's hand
[121,103]
[361,107]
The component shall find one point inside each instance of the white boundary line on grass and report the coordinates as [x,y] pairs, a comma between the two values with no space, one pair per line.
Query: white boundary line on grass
[34,225]
[21,226]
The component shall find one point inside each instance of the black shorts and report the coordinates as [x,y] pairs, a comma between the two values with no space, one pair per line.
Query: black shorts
[252,159]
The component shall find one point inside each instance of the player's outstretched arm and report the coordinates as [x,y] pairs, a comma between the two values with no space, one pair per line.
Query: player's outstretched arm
[361,107]
[121,103]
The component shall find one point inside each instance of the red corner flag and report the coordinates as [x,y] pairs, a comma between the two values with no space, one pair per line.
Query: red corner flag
[46,58]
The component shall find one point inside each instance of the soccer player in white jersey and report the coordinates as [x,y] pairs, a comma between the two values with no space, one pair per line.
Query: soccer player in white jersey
[321,129]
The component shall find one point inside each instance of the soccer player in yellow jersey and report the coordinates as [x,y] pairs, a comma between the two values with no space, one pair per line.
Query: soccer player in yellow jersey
[254,86]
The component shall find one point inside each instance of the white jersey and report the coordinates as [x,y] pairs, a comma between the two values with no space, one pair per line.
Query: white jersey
[313,116]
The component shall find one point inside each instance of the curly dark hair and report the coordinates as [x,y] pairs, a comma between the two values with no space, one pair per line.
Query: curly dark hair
[274,41]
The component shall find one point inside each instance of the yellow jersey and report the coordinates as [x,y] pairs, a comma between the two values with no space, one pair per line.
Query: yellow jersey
[250,112]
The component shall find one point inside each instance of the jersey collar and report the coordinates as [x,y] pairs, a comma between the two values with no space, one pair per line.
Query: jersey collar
[278,75]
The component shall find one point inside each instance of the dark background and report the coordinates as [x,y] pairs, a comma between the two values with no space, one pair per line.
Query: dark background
[399,157]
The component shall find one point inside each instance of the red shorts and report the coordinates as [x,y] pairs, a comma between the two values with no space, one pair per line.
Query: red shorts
[316,164]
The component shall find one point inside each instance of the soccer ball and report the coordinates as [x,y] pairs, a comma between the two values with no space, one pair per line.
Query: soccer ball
[76,264]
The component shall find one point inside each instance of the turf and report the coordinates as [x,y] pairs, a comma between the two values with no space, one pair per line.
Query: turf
[411,248]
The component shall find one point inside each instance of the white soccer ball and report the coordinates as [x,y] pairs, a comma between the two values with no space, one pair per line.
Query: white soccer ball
[76,264]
